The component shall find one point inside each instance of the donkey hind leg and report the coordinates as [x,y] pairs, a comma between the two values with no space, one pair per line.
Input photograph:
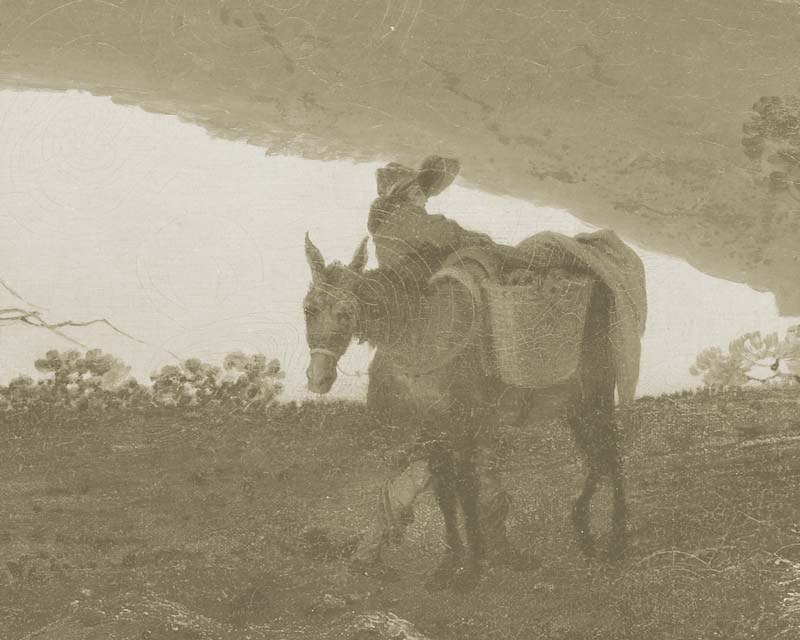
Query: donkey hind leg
[619,516]
[594,427]
[443,575]
[581,513]
[596,436]
[606,460]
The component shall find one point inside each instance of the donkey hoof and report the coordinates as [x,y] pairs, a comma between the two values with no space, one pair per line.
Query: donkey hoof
[514,559]
[587,546]
[375,569]
[616,550]
[443,576]
[440,580]
[466,578]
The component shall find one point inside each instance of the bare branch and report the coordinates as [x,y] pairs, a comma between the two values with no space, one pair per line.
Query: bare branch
[18,310]
[34,319]
[8,288]
[43,325]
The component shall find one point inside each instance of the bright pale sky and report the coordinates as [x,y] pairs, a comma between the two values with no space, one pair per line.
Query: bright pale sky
[195,245]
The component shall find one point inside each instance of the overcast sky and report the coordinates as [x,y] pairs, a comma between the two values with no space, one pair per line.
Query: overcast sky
[195,244]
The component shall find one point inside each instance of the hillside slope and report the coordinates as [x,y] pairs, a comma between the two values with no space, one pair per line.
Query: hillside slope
[173,525]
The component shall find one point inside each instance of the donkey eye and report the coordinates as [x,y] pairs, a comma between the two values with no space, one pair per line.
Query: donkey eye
[343,316]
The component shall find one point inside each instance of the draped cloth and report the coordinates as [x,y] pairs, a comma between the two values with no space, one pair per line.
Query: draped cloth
[618,266]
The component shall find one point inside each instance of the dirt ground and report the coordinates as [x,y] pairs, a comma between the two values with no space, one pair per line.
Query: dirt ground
[205,525]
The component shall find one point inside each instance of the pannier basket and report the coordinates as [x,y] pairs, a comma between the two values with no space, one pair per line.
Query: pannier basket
[537,328]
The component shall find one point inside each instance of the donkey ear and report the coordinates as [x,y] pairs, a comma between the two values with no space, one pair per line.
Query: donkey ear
[314,259]
[360,257]
[436,174]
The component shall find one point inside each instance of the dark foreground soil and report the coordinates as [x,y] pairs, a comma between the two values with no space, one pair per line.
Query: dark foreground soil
[201,525]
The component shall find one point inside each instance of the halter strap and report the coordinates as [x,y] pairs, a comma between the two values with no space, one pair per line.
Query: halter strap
[326,352]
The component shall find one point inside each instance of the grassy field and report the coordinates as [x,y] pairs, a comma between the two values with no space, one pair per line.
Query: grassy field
[178,525]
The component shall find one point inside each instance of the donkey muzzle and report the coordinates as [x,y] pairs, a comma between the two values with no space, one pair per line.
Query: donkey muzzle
[321,372]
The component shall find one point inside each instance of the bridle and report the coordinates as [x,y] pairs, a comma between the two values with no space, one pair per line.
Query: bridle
[326,352]
[466,280]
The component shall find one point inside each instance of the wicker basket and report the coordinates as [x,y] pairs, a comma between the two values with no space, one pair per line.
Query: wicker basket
[537,329]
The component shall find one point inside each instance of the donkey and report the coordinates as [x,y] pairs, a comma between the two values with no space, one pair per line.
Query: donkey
[411,316]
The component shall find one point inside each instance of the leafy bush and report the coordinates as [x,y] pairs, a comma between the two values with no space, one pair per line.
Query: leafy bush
[98,381]
[82,381]
[251,381]
[751,359]
[246,382]
[191,383]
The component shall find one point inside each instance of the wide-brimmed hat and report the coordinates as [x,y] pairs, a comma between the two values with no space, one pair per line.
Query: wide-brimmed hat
[434,176]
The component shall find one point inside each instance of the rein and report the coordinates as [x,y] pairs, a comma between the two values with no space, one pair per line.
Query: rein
[450,271]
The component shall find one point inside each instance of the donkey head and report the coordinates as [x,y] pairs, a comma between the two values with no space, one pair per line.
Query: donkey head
[331,313]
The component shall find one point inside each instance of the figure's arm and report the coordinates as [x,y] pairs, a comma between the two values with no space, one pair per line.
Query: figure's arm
[537,254]
[447,235]
[540,256]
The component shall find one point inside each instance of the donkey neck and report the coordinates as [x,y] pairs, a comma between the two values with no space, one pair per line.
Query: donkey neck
[390,298]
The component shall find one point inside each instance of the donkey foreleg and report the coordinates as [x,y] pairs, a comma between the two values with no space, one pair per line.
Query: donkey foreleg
[468,485]
[444,490]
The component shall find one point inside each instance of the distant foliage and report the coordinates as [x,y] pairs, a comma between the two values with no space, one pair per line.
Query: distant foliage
[98,381]
[251,382]
[772,137]
[752,360]
[245,382]
[191,383]
[773,118]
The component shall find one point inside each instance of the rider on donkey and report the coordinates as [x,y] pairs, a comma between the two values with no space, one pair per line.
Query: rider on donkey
[400,225]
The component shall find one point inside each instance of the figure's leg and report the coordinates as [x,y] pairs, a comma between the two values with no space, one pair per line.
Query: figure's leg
[393,513]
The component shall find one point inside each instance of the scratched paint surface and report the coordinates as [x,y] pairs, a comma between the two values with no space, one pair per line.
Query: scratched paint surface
[629,114]
[158,522]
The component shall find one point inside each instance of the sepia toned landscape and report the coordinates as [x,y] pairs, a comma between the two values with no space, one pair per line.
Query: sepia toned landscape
[399,320]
